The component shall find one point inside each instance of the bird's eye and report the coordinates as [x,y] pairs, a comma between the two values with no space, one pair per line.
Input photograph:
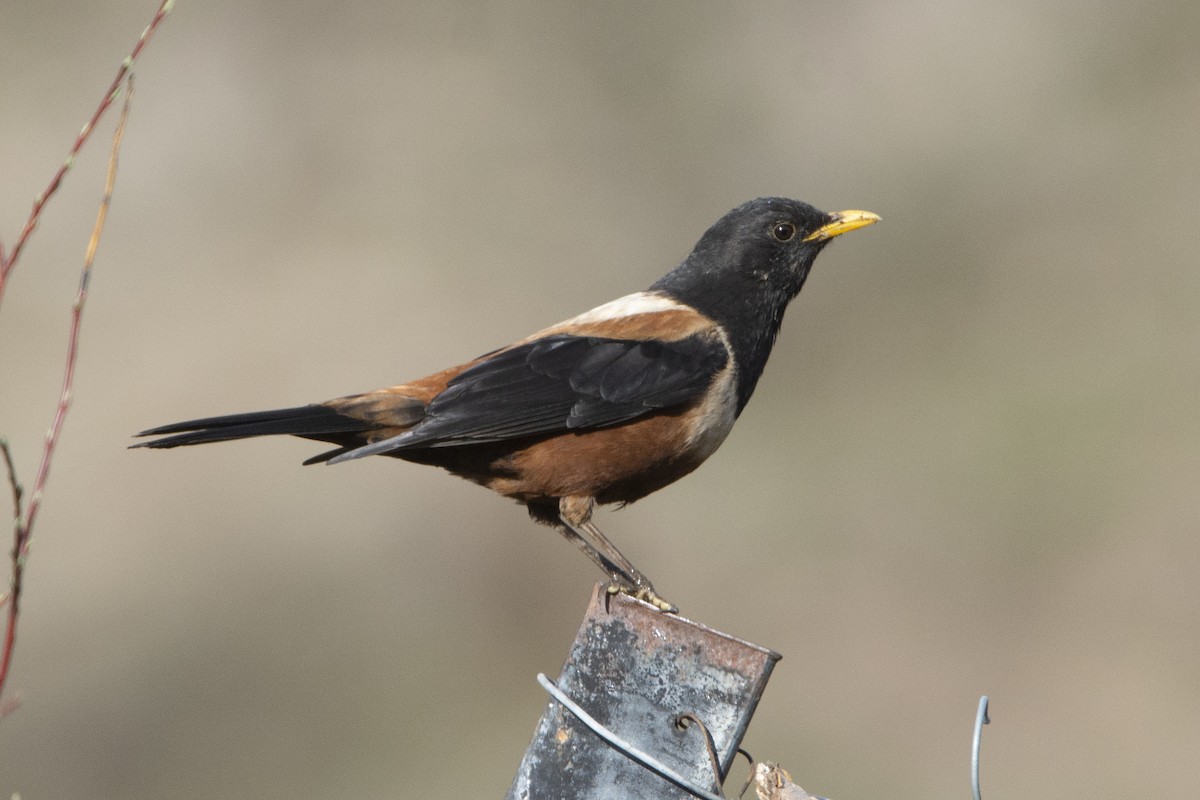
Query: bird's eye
[783,231]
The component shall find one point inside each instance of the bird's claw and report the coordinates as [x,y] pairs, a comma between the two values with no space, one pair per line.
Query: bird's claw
[648,595]
[644,593]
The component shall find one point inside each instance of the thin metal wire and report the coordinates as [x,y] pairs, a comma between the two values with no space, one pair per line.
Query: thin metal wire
[709,744]
[981,719]
[753,767]
[645,759]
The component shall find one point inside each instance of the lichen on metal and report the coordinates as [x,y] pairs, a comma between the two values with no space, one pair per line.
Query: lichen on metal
[635,670]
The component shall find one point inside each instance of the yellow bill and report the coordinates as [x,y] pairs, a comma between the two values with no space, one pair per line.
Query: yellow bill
[843,222]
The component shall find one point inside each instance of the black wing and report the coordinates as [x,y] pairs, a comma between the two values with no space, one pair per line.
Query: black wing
[561,382]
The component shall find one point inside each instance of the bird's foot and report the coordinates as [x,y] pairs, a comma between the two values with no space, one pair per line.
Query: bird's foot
[644,593]
[648,595]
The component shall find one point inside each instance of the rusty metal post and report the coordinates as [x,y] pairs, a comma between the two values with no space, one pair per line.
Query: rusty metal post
[635,670]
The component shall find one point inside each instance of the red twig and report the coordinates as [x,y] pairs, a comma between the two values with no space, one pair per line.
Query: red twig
[12,598]
[23,527]
[9,260]
[10,631]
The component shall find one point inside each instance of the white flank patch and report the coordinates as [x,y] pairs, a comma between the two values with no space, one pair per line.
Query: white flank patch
[718,413]
[627,306]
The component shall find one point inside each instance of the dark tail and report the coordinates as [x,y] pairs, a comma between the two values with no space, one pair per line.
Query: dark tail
[310,422]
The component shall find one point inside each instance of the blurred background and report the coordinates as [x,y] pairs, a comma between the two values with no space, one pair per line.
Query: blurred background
[972,465]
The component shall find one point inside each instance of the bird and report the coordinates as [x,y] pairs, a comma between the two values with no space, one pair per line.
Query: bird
[602,408]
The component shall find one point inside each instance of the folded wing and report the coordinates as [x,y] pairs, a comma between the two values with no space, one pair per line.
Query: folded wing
[560,383]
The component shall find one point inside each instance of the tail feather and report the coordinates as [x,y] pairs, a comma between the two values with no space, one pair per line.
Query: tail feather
[310,422]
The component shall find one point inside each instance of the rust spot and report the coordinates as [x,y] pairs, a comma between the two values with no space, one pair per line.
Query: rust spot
[635,670]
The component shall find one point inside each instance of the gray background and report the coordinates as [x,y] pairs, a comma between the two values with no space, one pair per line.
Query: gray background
[972,465]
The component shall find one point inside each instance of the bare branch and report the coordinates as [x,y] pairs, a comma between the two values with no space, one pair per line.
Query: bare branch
[9,599]
[23,529]
[9,260]
[17,496]
[17,491]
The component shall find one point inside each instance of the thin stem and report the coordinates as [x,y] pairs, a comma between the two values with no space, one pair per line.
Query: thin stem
[23,533]
[9,260]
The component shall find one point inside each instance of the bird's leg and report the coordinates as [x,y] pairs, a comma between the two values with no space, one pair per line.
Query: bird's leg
[617,574]
[610,551]
[549,516]
[576,514]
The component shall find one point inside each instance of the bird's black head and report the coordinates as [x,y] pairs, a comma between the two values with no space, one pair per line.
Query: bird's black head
[764,247]
[747,268]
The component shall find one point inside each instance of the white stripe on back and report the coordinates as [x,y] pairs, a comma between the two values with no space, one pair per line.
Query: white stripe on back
[627,306]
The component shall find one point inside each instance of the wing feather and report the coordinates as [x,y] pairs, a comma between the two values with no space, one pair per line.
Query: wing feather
[558,383]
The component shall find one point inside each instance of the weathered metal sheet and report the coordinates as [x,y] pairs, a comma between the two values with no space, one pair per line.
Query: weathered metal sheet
[636,669]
